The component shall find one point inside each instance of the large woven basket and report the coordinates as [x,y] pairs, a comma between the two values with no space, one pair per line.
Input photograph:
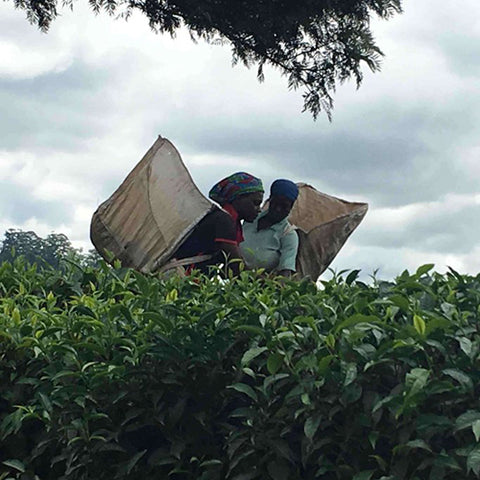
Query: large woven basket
[324,224]
[151,212]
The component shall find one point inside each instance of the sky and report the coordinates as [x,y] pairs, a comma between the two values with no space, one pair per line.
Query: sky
[80,105]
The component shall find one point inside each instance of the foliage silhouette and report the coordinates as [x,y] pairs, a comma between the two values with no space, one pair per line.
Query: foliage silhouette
[314,43]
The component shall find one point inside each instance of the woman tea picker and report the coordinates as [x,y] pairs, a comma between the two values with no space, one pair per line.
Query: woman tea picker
[270,241]
[220,232]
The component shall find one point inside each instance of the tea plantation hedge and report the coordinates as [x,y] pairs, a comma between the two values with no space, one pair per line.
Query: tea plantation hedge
[110,374]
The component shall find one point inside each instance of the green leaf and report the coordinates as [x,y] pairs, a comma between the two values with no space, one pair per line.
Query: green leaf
[419,443]
[400,302]
[460,376]
[278,470]
[473,461]
[372,438]
[311,426]
[352,276]
[210,463]
[416,379]
[424,269]
[355,319]
[381,462]
[476,429]
[270,380]
[467,419]
[133,461]
[246,389]
[419,324]
[365,475]
[274,362]
[324,363]
[330,341]
[350,374]
[305,397]
[249,355]
[251,329]
[47,405]
[465,345]
[16,464]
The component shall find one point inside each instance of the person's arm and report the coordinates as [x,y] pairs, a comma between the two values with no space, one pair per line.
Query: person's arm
[226,246]
[288,254]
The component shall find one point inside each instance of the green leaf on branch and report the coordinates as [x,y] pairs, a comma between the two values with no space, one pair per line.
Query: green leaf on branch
[249,355]
[246,389]
[419,324]
[16,464]
[274,362]
[473,461]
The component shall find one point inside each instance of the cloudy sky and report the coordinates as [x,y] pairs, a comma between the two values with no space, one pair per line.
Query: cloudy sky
[79,107]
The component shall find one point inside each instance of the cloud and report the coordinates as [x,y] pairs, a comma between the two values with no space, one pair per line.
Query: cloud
[18,205]
[449,225]
[81,105]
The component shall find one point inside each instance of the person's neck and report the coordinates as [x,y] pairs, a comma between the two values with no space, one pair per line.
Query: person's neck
[264,222]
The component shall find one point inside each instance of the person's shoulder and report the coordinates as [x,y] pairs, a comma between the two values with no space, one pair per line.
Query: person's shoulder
[289,228]
[218,215]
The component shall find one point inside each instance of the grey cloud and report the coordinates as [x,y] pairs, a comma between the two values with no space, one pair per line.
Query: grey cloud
[58,111]
[387,154]
[439,231]
[18,205]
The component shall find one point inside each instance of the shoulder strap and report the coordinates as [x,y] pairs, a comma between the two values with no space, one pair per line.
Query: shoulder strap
[288,229]
[173,263]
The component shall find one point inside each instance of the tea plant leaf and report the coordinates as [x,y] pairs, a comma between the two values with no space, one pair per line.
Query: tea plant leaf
[465,345]
[324,363]
[372,438]
[246,389]
[278,470]
[352,276]
[311,426]
[476,429]
[16,464]
[467,419]
[400,302]
[355,319]
[251,329]
[249,355]
[133,461]
[365,475]
[274,362]
[424,269]
[460,376]
[419,324]
[473,461]
[330,341]
[350,374]
[419,443]
[210,463]
[416,380]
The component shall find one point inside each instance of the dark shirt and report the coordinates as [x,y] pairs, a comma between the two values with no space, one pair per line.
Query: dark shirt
[216,227]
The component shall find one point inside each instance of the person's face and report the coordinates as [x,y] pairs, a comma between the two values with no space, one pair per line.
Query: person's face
[279,207]
[248,206]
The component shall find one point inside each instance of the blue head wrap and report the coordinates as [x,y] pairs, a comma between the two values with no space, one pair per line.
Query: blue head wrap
[286,188]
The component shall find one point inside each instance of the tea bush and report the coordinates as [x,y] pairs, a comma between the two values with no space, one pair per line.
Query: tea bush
[112,374]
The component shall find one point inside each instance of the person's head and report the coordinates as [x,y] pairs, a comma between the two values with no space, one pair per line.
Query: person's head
[243,191]
[248,205]
[283,194]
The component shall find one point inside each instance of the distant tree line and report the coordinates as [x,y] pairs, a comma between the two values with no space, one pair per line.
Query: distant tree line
[48,251]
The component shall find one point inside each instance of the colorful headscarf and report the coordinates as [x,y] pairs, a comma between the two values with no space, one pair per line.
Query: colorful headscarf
[286,188]
[237,184]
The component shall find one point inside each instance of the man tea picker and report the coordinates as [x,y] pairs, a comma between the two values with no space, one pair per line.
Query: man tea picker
[158,220]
